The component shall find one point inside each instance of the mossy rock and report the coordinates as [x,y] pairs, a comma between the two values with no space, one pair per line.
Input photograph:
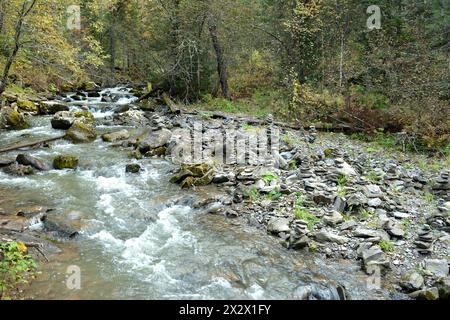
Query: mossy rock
[68,87]
[158,152]
[90,86]
[84,114]
[81,132]
[198,170]
[187,183]
[135,154]
[27,105]
[12,119]
[194,175]
[65,162]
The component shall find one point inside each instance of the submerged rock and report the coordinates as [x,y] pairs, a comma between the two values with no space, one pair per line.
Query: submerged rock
[28,160]
[133,168]
[65,162]
[16,169]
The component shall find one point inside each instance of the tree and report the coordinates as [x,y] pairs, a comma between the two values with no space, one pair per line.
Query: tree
[26,8]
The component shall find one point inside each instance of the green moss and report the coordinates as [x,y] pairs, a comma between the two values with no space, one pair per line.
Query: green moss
[27,105]
[65,162]
[268,177]
[14,120]
[86,114]
[81,132]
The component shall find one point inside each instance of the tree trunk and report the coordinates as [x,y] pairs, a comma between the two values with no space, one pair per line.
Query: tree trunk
[221,65]
[25,10]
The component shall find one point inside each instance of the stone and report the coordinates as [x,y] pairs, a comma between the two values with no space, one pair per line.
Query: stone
[437,267]
[12,119]
[324,236]
[400,215]
[65,162]
[28,106]
[63,120]
[368,233]
[347,225]
[278,225]
[133,168]
[322,199]
[374,256]
[373,191]
[16,169]
[81,132]
[375,202]
[155,140]
[116,136]
[396,232]
[339,204]
[412,281]
[333,218]
[426,294]
[28,160]
[51,107]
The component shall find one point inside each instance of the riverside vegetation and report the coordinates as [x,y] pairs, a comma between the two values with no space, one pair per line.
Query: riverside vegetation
[361,175]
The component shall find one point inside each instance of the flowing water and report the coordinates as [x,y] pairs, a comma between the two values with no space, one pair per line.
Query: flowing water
[141,239]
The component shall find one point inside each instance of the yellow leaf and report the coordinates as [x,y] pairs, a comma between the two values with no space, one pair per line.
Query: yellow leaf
[22,247]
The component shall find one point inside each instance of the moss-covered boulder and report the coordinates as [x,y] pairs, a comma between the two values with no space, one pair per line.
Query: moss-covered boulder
[51,107]
[84,114]
[12,119]
[27,105]
[191,175]
[81,132]
[65,162]
[116,136]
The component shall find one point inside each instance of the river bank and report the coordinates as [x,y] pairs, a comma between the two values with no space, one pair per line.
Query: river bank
[290,222]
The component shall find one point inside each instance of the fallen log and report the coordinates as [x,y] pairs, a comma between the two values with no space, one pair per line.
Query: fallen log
[29,144]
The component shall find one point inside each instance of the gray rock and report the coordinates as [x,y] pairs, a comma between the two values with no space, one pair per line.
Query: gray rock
[155,140]
[347,225]
[28,160]
[116,136]
[63,120]
[52,107]
[373,191]
[368,233]
[375,202]
[333,218]
[437,267]
[339,204]
[324,236]
[374,256]
[277,225]
[412,281]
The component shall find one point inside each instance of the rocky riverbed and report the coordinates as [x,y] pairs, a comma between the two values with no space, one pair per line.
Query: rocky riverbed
[319,195]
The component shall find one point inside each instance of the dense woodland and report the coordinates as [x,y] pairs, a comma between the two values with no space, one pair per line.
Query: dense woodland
[307,61]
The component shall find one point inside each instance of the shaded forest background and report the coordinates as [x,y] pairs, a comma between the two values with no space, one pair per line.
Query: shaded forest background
[306,61]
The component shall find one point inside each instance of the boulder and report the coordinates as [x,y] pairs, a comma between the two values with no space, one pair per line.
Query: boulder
[28,106]
[28,160]
[278,225]
[65,162]
[437,267]
[412,281]
[115,136]
[333,218]
[81,132]
[16,169]
[12,119]
[155,140]
[51,107]
[426,294]
[374,256]
[324,236]
[133,168]
[373,191]
[63,120]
